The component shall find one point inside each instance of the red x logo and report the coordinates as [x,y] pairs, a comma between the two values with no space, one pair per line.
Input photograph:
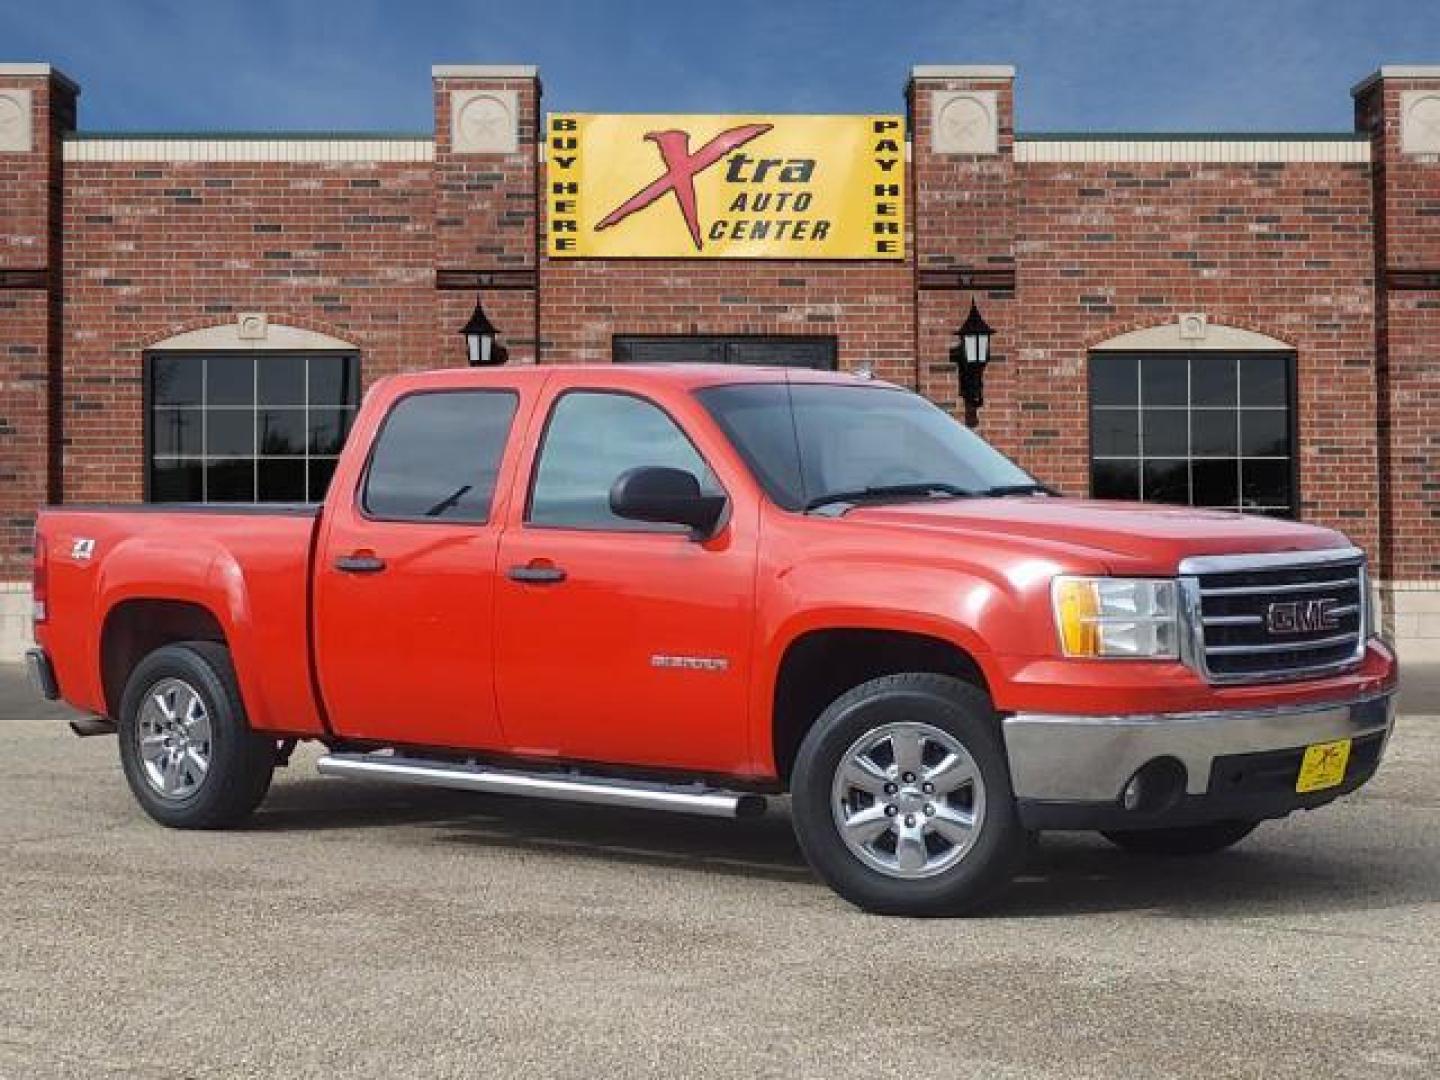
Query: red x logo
[681,168]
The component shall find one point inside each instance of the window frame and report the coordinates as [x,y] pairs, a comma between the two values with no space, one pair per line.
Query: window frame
[148,409]
[1292,409]
[358,495]
[640,528]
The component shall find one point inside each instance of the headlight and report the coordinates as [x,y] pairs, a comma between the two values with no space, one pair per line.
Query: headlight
[1121,617]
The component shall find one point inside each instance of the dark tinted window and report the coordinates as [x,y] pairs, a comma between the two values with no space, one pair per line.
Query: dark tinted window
[590,440]
[786,351]
[1197,428]
[438,454]
[241,427]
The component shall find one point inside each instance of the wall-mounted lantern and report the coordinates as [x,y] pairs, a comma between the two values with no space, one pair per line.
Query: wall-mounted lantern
[481,347]
[970,355]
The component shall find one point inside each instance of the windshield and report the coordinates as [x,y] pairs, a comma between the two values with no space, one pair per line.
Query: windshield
[811,443]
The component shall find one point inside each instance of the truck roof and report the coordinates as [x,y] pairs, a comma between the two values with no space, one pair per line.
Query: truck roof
[687,376]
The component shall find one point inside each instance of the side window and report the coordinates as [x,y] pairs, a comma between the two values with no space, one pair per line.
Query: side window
[437,456]
[591,439]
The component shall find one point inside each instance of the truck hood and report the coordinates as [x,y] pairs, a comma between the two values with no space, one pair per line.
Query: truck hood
[1123,537]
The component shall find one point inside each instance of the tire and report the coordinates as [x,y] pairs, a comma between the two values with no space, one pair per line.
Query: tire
[1189,840]
[164,739]
[962,870]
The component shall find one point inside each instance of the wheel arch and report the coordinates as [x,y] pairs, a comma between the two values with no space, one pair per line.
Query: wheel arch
[135,627]
[821,663]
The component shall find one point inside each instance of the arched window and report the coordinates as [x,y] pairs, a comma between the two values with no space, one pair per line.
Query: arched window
[240,420]
[1199,423]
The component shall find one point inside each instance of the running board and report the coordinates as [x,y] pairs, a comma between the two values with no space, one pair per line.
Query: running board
[573,787]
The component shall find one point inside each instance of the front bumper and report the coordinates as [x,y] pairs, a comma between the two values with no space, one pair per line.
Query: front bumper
[1070,772]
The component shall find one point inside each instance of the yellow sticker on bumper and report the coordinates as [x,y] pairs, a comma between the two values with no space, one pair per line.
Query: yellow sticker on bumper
[1323,766]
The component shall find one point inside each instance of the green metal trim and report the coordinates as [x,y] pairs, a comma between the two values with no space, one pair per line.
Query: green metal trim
[1191,136]
[248,136]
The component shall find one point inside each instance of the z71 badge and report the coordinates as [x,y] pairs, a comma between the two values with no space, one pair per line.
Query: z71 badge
[82,549]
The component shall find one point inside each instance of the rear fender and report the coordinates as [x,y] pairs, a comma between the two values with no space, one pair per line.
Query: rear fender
[190,571]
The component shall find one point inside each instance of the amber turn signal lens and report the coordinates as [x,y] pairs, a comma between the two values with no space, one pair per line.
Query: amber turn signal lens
[1077,610]
[1117,617]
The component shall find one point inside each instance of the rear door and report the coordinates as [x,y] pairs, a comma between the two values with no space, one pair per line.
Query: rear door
[404,576]
[620,641]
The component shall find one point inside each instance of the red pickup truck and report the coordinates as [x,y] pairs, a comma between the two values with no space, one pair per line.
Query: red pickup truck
[692,587]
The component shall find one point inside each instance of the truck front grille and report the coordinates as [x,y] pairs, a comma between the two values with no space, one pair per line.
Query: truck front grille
[1258,619]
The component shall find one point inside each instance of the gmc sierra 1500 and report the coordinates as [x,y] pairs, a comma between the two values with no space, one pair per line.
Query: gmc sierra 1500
[691,587]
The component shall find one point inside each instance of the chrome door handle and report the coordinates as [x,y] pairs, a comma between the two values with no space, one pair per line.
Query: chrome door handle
[536,575]
[359,564]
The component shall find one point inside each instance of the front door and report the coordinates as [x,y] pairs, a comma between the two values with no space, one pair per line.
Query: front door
[404,577]
[620,641]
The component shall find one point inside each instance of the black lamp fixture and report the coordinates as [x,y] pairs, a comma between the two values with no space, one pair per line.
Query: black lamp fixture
[970,355]
[481,348]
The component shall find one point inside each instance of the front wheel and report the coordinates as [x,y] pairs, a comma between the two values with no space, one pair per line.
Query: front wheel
[901,798]
[186,747]
[1186,840]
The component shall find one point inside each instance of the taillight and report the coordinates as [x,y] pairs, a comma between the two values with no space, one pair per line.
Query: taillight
[40,579]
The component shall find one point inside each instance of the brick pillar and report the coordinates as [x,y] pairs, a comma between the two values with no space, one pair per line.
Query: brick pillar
[37,106]
[1400,108]
[487,122]
[964,214]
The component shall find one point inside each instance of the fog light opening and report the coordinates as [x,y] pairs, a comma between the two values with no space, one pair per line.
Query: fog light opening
[1155,787]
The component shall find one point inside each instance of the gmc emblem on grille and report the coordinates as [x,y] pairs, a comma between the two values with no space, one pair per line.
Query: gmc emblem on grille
[1300,616]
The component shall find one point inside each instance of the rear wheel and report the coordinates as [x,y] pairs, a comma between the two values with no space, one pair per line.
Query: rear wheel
[1189,840]
[901,798]
[186,747]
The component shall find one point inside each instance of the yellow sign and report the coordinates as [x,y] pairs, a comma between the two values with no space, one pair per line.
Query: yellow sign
[725,187]
[1323,766]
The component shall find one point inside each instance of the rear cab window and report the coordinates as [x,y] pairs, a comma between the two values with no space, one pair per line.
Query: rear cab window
[437,456]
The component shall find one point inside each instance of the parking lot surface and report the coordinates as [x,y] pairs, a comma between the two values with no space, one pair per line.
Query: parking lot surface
[371,930]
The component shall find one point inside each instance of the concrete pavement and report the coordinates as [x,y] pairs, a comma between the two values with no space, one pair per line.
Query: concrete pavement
[367,930]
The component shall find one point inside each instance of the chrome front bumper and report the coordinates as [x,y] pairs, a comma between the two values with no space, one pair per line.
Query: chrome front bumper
[1089,759]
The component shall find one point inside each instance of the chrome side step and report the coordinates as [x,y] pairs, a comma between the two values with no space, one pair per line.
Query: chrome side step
[570,786]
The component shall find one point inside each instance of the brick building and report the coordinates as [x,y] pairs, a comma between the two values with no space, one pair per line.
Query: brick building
[1232,320]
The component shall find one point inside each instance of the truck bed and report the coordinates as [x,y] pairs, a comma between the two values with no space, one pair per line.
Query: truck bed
[241,568]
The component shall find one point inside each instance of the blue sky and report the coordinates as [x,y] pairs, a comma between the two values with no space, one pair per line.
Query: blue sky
[1254,65]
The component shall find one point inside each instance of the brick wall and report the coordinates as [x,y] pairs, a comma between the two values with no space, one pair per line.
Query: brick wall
[1282,249]
[964,222]
[1408,258]
[30,257]
[1101,248]
[867,307]
[158,248]
[487,209]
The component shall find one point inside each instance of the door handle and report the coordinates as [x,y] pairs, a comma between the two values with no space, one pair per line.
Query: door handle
[536,574]
[360,564]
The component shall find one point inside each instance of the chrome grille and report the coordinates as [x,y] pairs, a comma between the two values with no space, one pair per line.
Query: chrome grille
[1257,618]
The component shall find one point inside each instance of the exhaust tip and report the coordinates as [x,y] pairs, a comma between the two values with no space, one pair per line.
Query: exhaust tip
[751,806]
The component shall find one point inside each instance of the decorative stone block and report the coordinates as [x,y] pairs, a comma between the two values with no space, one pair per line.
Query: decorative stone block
[1420,121]
[484,122]
[964,122]
[252,325]
[1193,326]
[16,135]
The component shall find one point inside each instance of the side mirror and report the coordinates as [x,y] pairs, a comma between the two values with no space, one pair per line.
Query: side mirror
[668,496]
